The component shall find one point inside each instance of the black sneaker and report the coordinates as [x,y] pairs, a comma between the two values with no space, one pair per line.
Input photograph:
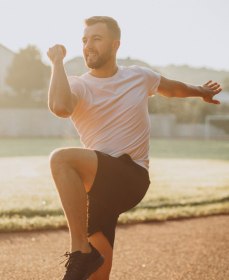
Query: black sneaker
[80,266]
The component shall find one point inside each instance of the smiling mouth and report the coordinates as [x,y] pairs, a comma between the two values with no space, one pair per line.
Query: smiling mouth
[91,55]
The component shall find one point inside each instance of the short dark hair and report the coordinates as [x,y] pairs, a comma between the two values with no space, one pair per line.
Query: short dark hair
[111,24]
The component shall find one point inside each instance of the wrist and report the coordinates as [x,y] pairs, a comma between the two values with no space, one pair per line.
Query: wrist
[57,63]
[201,92]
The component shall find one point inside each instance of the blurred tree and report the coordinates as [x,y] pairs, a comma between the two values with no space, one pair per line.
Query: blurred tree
[186,110]
[27,72]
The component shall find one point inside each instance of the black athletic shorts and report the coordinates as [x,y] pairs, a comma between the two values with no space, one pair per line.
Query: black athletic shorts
[119,185]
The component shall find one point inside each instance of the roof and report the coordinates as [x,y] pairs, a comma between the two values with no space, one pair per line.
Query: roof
[5,48]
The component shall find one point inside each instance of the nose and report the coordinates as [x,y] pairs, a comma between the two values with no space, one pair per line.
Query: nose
[88,45]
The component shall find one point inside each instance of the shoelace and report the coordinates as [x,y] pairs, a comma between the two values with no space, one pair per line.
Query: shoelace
[73,262]
[67,255]
[67,261]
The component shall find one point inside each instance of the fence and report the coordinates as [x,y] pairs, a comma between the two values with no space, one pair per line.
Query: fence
[42,123]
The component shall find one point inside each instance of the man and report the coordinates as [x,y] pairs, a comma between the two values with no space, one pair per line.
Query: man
[108,106]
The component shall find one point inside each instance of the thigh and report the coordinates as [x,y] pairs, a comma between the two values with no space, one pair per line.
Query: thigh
[120,183]
[131,185]
[118,186]
[83,161]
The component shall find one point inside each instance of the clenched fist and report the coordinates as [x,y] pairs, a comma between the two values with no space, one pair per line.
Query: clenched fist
[56,53]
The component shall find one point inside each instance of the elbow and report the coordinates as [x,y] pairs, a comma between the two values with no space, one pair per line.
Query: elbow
[60,111]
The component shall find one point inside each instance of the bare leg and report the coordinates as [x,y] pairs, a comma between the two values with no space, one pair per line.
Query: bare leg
[100,242]
[73,171]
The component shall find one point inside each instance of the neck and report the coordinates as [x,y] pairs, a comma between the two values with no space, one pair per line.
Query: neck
[105,71]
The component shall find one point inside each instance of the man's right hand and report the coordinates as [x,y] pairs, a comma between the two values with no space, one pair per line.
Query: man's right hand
[56,53]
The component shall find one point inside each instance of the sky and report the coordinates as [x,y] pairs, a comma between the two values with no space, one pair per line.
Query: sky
[159,32]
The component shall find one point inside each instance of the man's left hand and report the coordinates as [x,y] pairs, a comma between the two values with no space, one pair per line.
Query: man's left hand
[209,90]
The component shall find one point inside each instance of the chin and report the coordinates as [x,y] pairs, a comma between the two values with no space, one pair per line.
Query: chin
[90,66]
[93,65]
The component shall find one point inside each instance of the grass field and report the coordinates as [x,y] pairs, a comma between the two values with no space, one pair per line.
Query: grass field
[188,178]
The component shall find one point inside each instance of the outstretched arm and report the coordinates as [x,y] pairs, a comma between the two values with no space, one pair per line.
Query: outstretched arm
[61,101]
[172,88]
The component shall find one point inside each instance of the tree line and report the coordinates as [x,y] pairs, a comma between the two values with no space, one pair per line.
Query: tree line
[29,78]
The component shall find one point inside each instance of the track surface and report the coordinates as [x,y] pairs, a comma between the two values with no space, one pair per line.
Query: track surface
[193,249]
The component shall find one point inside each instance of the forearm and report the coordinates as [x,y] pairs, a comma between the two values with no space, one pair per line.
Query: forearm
[183,90]
[59,95]
[207,91]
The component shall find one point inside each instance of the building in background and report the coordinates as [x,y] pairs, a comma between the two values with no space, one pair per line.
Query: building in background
[6,58]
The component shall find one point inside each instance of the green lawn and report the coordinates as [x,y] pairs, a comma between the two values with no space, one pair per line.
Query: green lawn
[188,178]
[159,148]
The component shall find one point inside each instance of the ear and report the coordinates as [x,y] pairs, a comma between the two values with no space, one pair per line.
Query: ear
[116,44]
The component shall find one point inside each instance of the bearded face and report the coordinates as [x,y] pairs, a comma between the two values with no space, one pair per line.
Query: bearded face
[95,59]
[98,47]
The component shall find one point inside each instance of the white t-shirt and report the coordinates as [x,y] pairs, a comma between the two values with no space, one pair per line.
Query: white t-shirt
[111,115]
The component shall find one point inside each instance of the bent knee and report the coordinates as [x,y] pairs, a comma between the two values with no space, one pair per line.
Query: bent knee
[57,158]
[69,157]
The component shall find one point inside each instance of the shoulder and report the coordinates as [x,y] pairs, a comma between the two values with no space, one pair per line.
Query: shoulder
[141,70]
[76,80]
[76,84]
[149,77]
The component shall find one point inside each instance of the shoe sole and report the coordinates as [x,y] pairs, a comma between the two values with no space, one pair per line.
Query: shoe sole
[97,265]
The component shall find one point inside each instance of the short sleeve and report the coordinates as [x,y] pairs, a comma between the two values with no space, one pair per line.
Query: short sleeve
[76,86]
[152,80]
